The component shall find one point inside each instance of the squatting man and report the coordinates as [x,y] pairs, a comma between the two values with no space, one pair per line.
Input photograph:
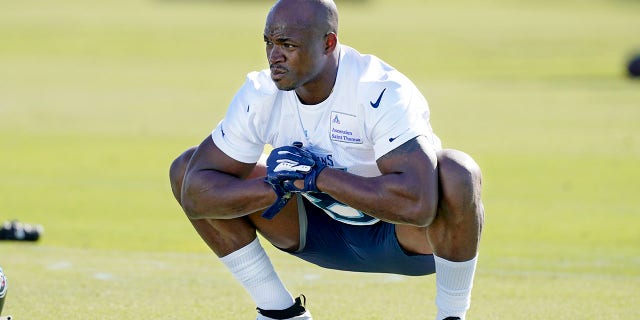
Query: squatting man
[356,180]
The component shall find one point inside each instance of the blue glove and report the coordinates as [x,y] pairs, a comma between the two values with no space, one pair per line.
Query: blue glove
[288,163]
[309,178]
[283,198]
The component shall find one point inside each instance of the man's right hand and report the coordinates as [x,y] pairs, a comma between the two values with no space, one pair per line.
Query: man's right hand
[288,163]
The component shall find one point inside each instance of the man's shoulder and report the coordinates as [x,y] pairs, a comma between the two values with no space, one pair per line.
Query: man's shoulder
[376,82]
[260,83]
[258,91]
[368,67]
[373,73]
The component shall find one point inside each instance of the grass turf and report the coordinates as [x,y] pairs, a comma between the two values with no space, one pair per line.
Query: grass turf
[96,99]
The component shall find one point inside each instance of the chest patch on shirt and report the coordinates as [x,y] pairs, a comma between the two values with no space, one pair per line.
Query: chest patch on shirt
[345,128]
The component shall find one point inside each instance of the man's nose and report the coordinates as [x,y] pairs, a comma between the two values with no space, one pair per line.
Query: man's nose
[274,55]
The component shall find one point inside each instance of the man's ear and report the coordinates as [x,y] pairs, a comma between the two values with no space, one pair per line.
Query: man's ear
[330,42]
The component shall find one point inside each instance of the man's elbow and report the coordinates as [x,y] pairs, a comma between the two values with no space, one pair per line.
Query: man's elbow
[423,215]
[422,212]
[190,208]
[193,206]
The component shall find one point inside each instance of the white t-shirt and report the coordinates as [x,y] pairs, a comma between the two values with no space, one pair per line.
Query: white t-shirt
[372,109]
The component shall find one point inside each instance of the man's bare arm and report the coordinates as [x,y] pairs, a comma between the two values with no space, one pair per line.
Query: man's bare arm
[406,192]
[215,186]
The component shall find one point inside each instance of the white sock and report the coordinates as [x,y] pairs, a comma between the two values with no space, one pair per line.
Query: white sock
[252,267]
[454,281]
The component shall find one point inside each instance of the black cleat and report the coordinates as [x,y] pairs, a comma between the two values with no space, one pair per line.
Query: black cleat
[297,311]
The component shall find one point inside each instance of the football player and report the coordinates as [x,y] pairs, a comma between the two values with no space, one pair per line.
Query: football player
[357,179]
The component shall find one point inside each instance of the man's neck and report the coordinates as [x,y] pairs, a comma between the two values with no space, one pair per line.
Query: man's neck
[321,88]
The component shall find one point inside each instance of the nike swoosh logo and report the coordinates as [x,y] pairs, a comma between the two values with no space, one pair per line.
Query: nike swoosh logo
[396,137]
[377,103]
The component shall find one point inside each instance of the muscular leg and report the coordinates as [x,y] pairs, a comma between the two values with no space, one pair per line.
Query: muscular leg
[234,241]
[226,236]
[455,232]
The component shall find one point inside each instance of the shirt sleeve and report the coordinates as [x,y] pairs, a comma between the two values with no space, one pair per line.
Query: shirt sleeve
[239,134]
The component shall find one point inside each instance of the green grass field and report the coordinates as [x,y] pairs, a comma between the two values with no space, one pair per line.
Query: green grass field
[98,97]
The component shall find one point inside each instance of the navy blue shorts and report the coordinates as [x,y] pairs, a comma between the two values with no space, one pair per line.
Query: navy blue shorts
[370,248]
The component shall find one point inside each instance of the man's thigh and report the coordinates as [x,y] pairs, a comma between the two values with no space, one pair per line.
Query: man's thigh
[413,239]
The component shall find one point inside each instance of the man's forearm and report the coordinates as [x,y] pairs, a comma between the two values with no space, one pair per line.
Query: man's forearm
[213,194]
[393,197]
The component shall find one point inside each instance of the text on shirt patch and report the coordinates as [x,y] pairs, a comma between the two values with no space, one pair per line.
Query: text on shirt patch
[345,128]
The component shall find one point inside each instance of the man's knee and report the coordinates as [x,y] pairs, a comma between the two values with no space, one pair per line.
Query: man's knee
[177,170]
[460,208]
[460,177]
